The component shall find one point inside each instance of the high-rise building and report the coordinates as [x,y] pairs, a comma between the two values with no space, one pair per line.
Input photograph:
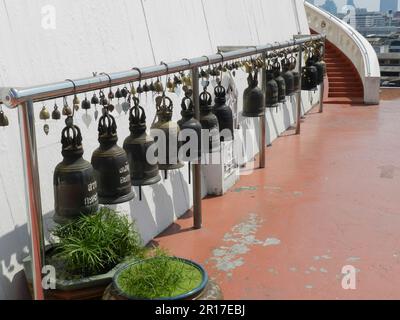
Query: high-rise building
[389,5]
[351,3]
[330,6]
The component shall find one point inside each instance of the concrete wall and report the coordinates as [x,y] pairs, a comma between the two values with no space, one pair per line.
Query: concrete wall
[105,35]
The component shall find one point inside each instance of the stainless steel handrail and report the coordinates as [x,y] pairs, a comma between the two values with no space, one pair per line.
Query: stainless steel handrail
[12,97]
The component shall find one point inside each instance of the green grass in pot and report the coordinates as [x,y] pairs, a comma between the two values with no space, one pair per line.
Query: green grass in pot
[159,277]
[95,244]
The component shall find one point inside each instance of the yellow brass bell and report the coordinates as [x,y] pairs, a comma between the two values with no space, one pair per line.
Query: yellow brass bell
[44,114]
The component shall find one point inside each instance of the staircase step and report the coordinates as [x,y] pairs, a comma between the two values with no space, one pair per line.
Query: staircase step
[345,95]
[344,100]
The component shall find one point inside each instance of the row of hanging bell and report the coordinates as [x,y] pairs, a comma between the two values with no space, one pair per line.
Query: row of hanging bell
[318,63]
[280,81]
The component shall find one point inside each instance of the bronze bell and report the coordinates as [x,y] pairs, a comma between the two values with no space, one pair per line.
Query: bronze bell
[223,113]
[168,148]
[320,65]
[253,98]
[110,164]
[209,122]
[309,77]
[271,90]
[188,122]
[3,119]
[56,114]
[287,74]
[75,186]
[136,146]
[280,81]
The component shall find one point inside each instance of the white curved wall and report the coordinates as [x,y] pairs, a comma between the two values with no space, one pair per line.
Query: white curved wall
[353,45]
[105,35]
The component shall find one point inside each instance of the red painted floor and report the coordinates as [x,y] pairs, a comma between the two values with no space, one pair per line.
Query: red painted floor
[328,198]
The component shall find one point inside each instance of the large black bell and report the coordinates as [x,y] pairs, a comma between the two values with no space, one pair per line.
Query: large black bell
[223,113]
[209,122]
[287,74]
[191,127]
[271,90]
[110,164]
[321,67]
[309,77]
[75,185]
[280,81]
[143,172]
[253,98]
[168,130]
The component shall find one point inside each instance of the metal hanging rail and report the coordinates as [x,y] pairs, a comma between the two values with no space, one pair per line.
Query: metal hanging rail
[23,98]
[12,97]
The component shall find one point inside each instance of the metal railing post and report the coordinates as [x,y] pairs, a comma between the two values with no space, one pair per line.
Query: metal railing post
[300,61]
[32,187]
[322,87]
[263,130]
[197,210]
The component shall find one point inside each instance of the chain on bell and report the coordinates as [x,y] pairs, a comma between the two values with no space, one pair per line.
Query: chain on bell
[280,81]
[188,122]
[223,113]
[143,173]
[209,122]
[271,90]
[75,186]
[253,98]
[168,148]
[110,164]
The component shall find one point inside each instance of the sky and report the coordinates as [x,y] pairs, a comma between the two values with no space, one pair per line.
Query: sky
[372,5]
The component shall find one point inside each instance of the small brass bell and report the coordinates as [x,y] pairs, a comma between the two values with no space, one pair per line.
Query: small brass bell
[56,114]
[189,123]
[44,114]
[133,90]
[168,146]
[223,113]
[152,86]
[158,86]
[110,164]
[76,103]
[271,93]
[143,173]
[124,92]
[75,186]
[280,81]
[85,104]
[170,85]
[140,89]
[95,100]
[209,122]
[3,119]
[253,98]
[146,87]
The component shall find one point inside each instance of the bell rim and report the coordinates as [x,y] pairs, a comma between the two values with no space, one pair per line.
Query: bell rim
[122,199]
[168,167]
[253,115]
[149,182]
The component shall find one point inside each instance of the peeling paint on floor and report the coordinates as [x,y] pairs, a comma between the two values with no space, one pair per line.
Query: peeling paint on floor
[241,237]
[241,189]
[353,259]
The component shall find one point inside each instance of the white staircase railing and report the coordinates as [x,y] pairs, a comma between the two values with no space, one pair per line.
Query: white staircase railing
[352,44]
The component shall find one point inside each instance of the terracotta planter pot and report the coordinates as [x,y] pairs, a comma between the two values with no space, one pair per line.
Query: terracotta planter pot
[88,288]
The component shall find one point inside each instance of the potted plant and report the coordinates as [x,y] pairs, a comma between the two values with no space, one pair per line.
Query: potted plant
[87,252]
[160,277]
